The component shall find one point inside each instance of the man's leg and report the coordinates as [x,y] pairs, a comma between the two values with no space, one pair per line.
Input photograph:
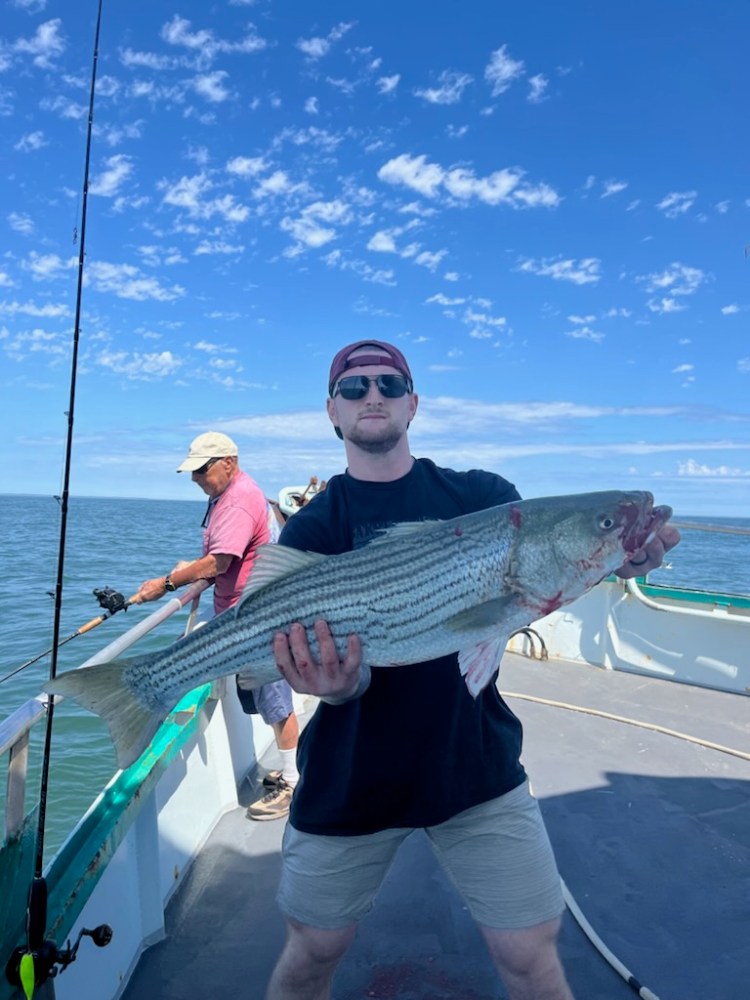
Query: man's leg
[286,732]
[306,966]
[499,856]
[528,961]
[274,704]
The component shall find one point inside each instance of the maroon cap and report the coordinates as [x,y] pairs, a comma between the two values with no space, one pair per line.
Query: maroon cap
[383,354]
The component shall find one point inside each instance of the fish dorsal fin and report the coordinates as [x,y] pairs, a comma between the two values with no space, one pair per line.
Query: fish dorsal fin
[482,616]
[274,562]
[401,530]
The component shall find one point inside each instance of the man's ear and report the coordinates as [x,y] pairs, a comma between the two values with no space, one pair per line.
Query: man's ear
[331,410]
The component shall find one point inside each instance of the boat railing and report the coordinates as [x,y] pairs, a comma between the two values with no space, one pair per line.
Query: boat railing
[633,587]
[15,730]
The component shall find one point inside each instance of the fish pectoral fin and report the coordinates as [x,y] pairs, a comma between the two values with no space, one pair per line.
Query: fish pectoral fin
[402,529]
[273,563]
[479,663]
[481,615]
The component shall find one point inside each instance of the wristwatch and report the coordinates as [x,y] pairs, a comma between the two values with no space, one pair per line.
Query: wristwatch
[168,585]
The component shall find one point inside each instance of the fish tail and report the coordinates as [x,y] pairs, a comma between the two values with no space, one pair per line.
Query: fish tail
[104,690]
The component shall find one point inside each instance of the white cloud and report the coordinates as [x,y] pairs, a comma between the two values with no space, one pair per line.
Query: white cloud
[584,272]
[665,305]
[502,70]
[613,187]
[143,367]
[413,172]
[585,333]
[19,222]
[312,228]
[211,86]
[188,194]
[45,46]
[311,106]
[537,86]
[212,247]
[118,169]
[127,282]
[49,310]
[204,43]
[443,300]
[30,142]
[730,310]
[502,186]
[677,203]
[450,90]
[387,84]
[245,166]
[382,242]
[316,48]
[678,279]
[693,468]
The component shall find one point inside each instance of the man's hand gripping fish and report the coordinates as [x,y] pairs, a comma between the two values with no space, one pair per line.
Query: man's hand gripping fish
[418,591]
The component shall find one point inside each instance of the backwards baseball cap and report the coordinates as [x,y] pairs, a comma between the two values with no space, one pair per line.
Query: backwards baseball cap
[381,354]
[205,447]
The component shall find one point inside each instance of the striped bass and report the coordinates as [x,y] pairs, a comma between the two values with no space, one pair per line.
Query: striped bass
[418,591]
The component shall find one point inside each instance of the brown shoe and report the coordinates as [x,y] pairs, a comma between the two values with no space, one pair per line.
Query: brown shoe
[274,804]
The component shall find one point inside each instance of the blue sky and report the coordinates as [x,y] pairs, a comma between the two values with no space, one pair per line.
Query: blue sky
[545,205]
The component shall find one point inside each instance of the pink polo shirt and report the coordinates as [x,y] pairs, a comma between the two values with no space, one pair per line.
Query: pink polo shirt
[237,525]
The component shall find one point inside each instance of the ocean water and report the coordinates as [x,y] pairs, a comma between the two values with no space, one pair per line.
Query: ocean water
[120,543]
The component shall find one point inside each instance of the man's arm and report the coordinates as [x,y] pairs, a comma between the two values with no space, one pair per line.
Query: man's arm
[206,568]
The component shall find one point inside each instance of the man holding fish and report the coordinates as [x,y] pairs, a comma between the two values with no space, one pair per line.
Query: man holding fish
[470,793]
[424,571]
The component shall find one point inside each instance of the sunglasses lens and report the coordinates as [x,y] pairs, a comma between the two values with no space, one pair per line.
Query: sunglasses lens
[357,386]
[392,386]
[354,386]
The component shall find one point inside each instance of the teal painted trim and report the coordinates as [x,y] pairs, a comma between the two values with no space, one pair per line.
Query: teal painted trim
[76,869]
[17,857]
[695,596]
[656,591]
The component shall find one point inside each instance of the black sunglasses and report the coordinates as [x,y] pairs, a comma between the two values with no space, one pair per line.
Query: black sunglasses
[204,468]
[357,386]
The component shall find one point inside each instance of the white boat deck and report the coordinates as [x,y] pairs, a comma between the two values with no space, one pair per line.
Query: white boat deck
[651,832]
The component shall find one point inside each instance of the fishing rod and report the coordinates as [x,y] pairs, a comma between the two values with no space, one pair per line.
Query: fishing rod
[111,600]
[31,966]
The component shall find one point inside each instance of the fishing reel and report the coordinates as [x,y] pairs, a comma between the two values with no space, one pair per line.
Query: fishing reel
[111,600]
[49,960]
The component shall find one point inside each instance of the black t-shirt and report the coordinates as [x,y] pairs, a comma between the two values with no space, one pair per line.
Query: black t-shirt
[416,748]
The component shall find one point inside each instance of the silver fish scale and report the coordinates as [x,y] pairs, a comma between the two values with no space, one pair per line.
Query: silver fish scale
[395,594]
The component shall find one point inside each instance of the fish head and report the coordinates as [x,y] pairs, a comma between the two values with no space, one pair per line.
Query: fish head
[568,544]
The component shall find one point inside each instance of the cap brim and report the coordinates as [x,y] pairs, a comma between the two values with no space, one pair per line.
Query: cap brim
[192,463]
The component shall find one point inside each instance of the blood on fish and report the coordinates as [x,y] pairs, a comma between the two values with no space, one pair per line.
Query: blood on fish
[552,604]
[515,517]
[459,530]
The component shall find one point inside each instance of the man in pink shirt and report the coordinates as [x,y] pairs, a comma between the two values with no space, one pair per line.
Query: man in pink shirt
[237,521]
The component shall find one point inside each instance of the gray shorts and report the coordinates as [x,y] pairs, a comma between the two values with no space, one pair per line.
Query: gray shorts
[497,854]
[272,702]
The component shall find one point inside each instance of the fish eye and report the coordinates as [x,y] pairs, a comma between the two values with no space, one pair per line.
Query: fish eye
[606,522]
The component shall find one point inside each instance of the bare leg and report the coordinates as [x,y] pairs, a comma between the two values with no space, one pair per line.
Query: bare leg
[286,732]
[306,966]
[528,961]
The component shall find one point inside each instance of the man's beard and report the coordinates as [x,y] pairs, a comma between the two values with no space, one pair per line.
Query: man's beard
[379,446]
